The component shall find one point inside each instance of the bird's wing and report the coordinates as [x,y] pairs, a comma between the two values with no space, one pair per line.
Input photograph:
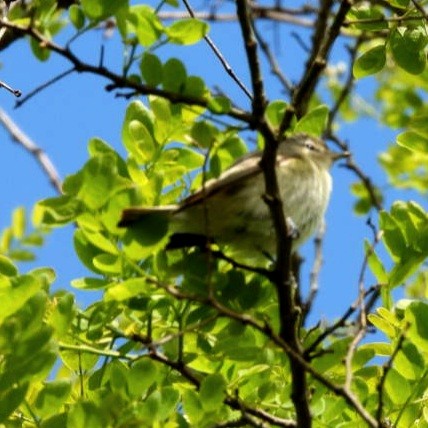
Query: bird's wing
[246,167]
[136,214]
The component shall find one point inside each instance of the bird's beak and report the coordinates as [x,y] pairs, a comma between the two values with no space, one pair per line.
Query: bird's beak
[335,156]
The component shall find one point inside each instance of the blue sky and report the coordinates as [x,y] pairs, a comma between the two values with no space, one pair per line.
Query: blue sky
[62,118]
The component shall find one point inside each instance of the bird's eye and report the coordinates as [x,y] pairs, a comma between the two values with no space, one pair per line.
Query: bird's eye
[309,145]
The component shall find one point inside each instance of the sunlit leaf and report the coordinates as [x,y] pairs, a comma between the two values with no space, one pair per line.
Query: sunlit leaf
[187,31]
[370,62]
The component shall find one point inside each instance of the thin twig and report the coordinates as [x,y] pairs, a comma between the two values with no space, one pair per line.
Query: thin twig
[41,157]
[350,164]
[15,92]
[362,316]
[347,87]
[315,271]
[275,68]
[420,9]
[259,12]
[43,86]
[387,366]
[341,322]
[118,81]
[233,402]
[220,56]
[320,52]
[266,330]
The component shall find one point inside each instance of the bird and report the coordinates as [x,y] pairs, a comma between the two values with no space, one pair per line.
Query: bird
[230,210]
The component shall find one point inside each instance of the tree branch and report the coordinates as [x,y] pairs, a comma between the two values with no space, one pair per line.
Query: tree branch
[117,80]
[41,157]
[219,55]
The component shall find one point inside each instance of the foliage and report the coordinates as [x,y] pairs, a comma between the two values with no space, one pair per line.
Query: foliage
[187,337]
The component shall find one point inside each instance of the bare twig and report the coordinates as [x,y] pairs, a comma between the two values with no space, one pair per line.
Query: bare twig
[118,81]
[15,92]
[420,9]
[259,12]
[385,370]
[314,67]
[362,316]
[41,157]
[276,70]
[233,402]
[341,322]
[365,179]
[316,267]
[347,87]
[43,86]
[220,56]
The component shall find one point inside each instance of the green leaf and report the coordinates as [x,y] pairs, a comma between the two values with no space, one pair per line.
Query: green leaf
[100,241]
[56,421]
[101,9]
[416,314]
[212,391]
[151,69]
[63,313]
[14,296]
[85,250]
[108,264]
[18,222]
[127,289]
[40,52]
[402,4]
[397,387]
[393,237]
[174,76]
[11,399]
[77,17]
[187,31]
[146,24]
[367,12]
[275,112]
[85,414]
[57,211]
[44,274]
[22,255]
[219,105]
[192,406]
[89,283]
[314,122]
[370,62]
[406,267]
[375,264]
[409,361]
[414,141]
[204,133]
[382,324]
[195,87]
[50,399]
[98,147]
[137,132]
[7,267]
[100,180]
[142,374]
[149,410]
[407,47]
[169,401]
[146,237]
[189,158]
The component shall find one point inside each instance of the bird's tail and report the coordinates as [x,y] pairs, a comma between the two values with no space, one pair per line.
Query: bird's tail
[134,215]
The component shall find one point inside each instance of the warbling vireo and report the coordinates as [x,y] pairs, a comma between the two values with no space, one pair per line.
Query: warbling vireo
[230,209]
